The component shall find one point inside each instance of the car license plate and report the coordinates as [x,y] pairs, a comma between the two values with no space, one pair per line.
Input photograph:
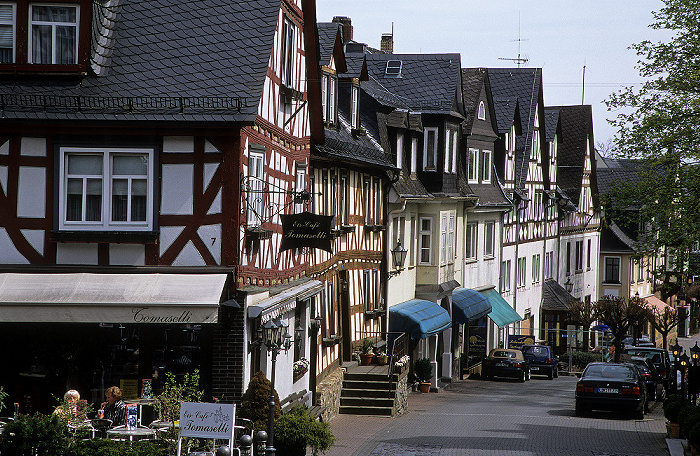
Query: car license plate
[501,364]
[534,369]
[608,390]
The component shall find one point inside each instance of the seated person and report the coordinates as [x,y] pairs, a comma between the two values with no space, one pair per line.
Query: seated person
[114,407]
[68,409]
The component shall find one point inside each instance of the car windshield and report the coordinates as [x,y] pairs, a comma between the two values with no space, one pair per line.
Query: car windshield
[610,371]
[503,354]
[537,351]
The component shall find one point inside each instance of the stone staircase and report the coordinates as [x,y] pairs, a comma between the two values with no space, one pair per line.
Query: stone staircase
[367,392]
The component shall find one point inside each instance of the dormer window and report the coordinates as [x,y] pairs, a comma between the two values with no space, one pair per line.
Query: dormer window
[53,37]
[430,149]
[7,33]
[355,108]
[288,51]
[482,111]
[393,69]
[329,89]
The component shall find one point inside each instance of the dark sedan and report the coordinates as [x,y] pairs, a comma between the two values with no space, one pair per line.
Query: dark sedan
[651,378]
[611,386]
[504,362]
[542,360]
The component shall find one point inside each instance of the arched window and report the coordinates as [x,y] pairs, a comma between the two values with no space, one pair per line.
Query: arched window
[482,111]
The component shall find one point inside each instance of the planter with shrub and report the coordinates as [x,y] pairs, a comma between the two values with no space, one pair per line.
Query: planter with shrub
[297,429]
[423,371]
[672,410]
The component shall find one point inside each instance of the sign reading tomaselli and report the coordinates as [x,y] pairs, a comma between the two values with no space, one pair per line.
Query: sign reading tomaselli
[306,230]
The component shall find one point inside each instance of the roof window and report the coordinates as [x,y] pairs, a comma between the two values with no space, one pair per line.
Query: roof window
[393,69]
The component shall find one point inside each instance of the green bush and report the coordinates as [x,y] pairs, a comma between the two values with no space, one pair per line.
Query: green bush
[689,416]
[579,358]
[694,435]
[296,429]
[106,447]
[672,407]
[3,396]
[423,370]
[35,435]
[255,402]
[367,345]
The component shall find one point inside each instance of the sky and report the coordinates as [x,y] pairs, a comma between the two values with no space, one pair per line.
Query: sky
[558,36]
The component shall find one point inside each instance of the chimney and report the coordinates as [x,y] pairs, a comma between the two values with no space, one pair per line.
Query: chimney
[346,23]
[387,43]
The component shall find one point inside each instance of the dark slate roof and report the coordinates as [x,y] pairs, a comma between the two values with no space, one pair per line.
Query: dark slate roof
[428,82]
[614,239]
[612,171]
[555,297]
[203,50]
[505,113]
[409,186]
[551,121]
[356,67]
[576,123]
[327,35]
[523,85]
[490,195]
[473,80]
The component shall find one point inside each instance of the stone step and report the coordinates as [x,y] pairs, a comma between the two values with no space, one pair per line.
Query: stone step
[366,402]
[347,392]
[353,410]
[363,385]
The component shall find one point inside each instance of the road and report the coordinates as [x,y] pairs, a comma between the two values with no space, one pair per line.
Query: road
[501,417]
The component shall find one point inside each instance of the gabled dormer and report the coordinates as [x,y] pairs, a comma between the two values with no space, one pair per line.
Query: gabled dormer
[332,62]
[40,37]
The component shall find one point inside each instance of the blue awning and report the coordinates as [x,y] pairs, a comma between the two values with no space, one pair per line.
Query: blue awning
[418,318]
[501,312]
[469,305]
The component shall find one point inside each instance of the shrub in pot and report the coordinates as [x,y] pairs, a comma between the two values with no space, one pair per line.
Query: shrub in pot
[423,371]
[296,429]
[672,407]
[367,354]
[694,437]
[37,435]
[255,402]
[687,418]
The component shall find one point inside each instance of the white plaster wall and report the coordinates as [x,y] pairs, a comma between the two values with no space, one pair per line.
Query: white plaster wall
[529,296]
[211,236]
[209,170]
[31,201]
[35,238]
[167,236]
[215,207]
[189,257]
[3,179]
[178,144]
[76,253]
[8,252]
[177,188]
[5,148]
[127,254]
[35,147]
[209,147]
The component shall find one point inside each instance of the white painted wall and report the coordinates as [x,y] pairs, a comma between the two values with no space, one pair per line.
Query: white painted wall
[127,254]
[75,253]
[31,200]
[177,189]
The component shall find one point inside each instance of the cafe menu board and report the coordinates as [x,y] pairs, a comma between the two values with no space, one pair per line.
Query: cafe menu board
[146,388]
[130,388]
[132,413]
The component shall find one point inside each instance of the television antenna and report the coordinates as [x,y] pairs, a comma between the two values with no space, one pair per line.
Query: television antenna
[520,59]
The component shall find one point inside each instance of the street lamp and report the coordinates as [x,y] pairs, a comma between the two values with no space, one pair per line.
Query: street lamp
[684,365]
[398,258]
[568,285]
[276,338]
[676,350]
[695,353]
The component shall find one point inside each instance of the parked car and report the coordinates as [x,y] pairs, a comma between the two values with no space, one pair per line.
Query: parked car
[661,359]
[505,362]
[642,341]
[651,378]
[541,360]
[611,386]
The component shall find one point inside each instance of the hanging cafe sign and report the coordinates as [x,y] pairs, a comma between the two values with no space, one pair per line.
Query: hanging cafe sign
[306,230]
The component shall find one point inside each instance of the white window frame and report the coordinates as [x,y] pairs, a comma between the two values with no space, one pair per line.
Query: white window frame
[448,155]
[489,239]
[288,52]
[640,271]
[325,83]
[454,151]
[522,272]
[300,184]
[505,275]
[256,183]
[473,166]
[414,154]
[54,25]
[355,107]
[605,270]
[367,290]
[399,150]
[470,253]
[368,201]
[12,23]
[375,288]
[426,153]
[426,240]
[332,100]
[481,111]
[548,266]
[579,256]
[377,201]
[105,223]
[345,199]
[486,177]
[536,262]
[451,239]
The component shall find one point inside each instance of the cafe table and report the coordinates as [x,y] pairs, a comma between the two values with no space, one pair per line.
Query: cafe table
[132,435]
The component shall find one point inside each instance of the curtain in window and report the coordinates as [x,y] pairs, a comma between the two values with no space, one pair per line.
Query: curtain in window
[74,200]
[139,198]
[93,204]
[41,44]
[6,33]
[65,45]
[120,200]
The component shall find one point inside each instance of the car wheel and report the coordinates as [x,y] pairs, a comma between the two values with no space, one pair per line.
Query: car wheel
[550,375]
[556,372]
[639,414]
[580,411]
[646,407]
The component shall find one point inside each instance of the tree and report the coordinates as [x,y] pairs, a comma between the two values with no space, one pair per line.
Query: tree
[582,314]
[255,403]
[619,314]
[659,124]
[664,321]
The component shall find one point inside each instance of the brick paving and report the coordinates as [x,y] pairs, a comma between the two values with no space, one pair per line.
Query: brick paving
[474,417]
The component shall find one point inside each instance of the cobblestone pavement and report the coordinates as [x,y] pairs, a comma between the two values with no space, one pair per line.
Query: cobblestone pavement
[502,417]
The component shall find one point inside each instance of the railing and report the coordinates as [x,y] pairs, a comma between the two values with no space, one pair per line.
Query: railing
[397,347]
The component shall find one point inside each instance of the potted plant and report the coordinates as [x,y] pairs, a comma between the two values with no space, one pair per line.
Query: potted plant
[366,355]
[297,429]
[381,357]
[672,410]
[424,372]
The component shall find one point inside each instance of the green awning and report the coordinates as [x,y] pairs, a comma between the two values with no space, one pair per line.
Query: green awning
[501,312]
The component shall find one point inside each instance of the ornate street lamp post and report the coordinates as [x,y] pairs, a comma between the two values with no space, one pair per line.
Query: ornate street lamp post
[676,352]
[684,365]
[275,338]
[398,258]
[694,371]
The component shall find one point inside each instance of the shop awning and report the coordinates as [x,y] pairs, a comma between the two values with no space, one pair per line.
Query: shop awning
[418,318]
[501,312]
[110,298]
[284,301]
[656,304]
[469,305]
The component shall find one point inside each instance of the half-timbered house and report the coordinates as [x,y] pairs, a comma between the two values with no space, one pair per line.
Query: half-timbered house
[146,153]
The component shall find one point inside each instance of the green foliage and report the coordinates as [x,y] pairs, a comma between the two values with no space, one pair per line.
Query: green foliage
[3,396]
[35,435]
[167,403]
[688,417]
[423,370]
[296,430]
[255,403]
[106,447]
[579,358]
[367,345]
[672,407]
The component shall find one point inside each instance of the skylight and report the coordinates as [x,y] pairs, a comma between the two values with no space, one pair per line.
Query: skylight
[393,69]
